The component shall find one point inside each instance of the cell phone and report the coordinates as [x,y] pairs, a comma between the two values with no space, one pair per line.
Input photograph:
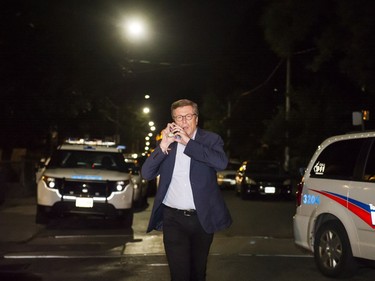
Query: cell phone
[172,135]
[173,132]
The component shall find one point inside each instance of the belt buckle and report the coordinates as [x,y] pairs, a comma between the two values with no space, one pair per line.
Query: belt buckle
[187,213]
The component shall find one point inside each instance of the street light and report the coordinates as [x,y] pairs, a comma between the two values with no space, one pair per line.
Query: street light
[146,110]
[134,28]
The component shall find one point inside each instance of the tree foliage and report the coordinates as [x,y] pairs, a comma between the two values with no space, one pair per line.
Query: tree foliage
[339,30]
[330,47]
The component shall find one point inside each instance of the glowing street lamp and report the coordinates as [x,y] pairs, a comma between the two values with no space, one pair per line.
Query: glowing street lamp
[134,28]
[146,110]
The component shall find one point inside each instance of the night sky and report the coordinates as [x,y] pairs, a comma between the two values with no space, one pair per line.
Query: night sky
[67,63]
[186,42]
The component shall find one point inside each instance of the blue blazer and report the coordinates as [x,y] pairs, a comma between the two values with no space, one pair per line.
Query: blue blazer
[207,157]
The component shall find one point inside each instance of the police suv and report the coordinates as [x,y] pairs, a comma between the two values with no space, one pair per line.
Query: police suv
[335,215]
[86,177]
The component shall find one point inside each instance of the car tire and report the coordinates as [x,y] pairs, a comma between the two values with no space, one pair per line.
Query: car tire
[243,194]
[42,217]
[332,251]
[126,218]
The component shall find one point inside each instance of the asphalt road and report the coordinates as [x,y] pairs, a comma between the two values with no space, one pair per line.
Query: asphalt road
[258,246]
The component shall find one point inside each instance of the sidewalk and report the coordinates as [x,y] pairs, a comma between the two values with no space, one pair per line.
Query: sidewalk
[17,221]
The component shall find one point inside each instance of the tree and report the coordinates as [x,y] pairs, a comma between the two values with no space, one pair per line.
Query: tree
[329,47]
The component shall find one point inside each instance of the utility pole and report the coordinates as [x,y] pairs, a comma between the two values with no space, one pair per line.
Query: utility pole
[229,112]
[287,114]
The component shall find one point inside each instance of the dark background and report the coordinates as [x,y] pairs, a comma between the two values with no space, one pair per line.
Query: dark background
[67,69]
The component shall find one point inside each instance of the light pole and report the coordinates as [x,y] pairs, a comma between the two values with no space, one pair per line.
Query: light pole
[133,29]
[287,115]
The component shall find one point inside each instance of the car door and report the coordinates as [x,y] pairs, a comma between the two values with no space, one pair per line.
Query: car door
[362,203]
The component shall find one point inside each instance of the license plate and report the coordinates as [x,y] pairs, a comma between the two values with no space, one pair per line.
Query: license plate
[84,202]
[269,189]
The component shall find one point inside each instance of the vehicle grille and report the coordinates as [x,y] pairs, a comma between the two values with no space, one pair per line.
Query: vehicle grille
[86,188]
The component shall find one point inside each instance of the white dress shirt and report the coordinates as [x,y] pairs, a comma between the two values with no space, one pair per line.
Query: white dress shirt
[180,194]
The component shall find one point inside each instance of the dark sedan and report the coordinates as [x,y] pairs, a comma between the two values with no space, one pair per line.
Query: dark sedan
[263,179]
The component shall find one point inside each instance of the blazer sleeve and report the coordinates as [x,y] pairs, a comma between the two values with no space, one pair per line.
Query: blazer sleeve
[208,148]
[150,168]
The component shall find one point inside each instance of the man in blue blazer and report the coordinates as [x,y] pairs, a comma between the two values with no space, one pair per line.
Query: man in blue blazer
[188,205]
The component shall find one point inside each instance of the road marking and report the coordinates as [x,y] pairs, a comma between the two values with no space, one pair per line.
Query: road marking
[158,264]
[62,256]
[276,255]
[20,256]
[91,236]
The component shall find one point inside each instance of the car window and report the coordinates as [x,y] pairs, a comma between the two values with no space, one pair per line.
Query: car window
[88,159]
[338,160]
[369,174]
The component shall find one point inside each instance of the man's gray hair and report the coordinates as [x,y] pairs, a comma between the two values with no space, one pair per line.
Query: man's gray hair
[184,102]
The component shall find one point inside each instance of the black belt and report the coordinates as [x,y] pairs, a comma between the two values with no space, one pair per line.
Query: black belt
[186,213]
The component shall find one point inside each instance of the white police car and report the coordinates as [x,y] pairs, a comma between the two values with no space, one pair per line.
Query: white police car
[335,215]
[86,177]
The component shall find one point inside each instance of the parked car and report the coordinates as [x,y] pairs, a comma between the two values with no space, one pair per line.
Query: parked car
[263,179]
[139,183]
[335,215]
[152,185]
[227,178]
[85,177]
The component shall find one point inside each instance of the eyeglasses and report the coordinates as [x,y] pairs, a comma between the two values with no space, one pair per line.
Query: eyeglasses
[187,117]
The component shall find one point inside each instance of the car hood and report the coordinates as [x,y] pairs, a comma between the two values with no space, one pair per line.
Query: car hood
[86,174]
[227,172]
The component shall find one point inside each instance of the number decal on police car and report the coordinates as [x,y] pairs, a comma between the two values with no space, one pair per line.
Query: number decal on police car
[309,199]
[319,168]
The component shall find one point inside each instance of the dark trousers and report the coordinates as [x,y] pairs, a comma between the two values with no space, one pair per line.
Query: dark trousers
[186,245]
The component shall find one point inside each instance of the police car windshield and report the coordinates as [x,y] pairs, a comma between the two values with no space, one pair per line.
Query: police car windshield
[88,160]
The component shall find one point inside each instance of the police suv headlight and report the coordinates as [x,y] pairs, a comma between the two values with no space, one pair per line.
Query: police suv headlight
[249,181]
[50,182]
[120,185]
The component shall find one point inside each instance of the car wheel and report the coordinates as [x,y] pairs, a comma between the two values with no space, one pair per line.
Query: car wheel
[126,218]
[237,191]
[42,217]
[332,251]
[141,203]
[243,194]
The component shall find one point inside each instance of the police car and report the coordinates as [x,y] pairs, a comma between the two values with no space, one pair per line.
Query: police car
[335,215]
[85,177]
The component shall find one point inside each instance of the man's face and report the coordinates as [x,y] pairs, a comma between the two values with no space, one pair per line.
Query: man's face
[181,116]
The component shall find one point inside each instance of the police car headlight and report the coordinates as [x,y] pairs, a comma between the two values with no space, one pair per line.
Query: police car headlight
[50,182]
[120,185]
[249,181]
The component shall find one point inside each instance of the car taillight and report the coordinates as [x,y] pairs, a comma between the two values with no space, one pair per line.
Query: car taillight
[299,193]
